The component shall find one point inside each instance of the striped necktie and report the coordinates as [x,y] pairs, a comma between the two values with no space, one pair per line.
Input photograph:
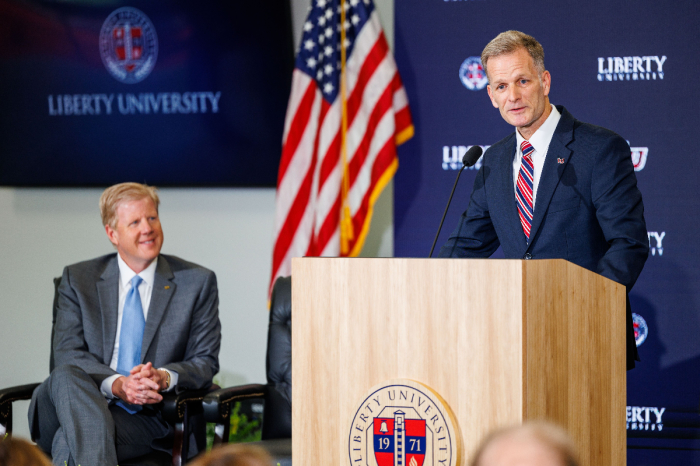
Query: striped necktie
[523,190]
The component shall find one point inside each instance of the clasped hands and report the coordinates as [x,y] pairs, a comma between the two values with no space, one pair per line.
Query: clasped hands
[142,385]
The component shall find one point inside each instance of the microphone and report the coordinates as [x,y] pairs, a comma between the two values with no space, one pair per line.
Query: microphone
[472,156]
[469,159]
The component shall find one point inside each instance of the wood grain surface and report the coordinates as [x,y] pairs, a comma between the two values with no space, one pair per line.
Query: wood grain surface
[501,341]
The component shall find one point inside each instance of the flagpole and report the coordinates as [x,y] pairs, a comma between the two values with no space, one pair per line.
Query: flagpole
[346,227]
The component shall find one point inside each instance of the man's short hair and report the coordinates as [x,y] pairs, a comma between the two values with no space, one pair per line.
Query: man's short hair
[545,433]
[238,454]
[124,192]
[509,42]
[19,452]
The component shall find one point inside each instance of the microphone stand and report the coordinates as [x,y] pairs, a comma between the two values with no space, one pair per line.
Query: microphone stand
[446,209]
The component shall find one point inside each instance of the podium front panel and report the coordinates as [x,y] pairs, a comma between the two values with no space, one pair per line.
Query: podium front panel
[471,330]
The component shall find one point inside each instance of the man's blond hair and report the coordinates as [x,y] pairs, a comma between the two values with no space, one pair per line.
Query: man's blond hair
[238,454]
[19,452]
[113,196]
[509,42]
[545,433]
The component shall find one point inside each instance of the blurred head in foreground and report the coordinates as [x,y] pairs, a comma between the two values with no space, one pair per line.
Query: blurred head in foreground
[234,455]
[530,444]
[19,452]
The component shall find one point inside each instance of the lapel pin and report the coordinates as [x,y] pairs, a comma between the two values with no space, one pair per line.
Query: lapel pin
[167,287]
[560,160]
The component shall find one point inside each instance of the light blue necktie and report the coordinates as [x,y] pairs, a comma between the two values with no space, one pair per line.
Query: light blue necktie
[131,336]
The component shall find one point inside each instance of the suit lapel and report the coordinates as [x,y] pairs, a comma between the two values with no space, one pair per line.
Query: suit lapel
[163,289]
[508,190]
[515,230]
[554,164]
[108,293]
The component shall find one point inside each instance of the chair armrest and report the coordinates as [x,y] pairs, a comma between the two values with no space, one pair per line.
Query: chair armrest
[175,406]
[8,396]
[19,392]
[217,404]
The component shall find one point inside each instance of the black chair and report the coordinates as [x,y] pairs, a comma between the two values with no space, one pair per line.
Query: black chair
[183,411]
[277,393]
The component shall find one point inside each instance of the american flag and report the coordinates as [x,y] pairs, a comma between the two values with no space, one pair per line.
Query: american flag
[347,112]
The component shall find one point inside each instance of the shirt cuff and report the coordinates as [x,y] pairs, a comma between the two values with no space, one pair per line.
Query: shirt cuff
[106,387]
[173,379]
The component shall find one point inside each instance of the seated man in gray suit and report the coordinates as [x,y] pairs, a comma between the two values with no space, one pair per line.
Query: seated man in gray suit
[129,326]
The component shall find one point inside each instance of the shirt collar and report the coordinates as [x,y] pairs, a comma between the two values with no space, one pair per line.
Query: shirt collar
[126,274]
[543,136]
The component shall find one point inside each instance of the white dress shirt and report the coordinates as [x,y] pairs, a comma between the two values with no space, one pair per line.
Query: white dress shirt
[145,290]
[540,142]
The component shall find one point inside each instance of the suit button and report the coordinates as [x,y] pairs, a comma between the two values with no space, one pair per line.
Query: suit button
[527,256]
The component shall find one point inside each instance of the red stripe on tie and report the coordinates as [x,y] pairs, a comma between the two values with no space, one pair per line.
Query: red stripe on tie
[523,190]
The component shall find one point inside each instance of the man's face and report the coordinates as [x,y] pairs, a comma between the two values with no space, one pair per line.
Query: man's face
[138,235]
[518,91]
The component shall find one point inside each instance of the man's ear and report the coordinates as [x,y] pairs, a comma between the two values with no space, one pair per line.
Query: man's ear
[112,235]
[493,102]
[546,82]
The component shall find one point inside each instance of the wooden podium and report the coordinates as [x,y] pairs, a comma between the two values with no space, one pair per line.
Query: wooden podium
[501,341]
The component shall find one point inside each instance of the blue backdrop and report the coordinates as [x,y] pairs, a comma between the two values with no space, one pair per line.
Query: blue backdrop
[202,104]
[628,66]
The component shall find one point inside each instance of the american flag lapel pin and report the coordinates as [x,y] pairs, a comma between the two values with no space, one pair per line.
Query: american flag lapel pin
[559,160]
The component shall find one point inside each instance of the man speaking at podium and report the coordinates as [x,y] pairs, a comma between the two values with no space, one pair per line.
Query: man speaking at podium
[557,188]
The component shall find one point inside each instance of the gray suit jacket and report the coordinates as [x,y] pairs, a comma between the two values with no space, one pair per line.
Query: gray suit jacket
[182,333]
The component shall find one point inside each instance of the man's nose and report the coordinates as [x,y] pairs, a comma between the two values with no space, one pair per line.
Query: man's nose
[146,227]
[513,93]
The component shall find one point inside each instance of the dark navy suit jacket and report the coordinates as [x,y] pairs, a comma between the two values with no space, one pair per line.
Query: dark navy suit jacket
[588,208]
